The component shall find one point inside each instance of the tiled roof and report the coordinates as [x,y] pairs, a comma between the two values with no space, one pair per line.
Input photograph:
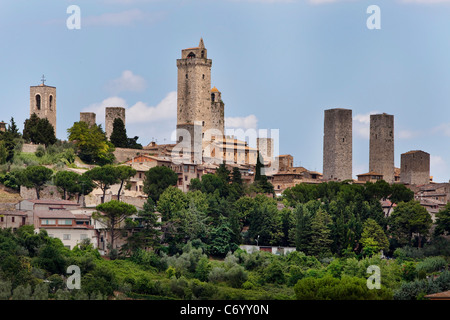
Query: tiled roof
[58,214]
[56,202]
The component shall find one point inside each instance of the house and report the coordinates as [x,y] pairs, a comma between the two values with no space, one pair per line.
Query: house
[71,229]
[370,177]
[12,219]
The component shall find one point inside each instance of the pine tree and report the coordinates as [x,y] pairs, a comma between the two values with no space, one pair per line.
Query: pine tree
[320,234]
[119,134]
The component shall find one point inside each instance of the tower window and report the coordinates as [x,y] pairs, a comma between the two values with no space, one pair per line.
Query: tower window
[50,102]
[203,76]
[203,53]
[187,76]
[191,55]
[213,97]
[38,101]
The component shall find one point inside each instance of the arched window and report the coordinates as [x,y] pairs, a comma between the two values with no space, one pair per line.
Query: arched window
[203,53]
[38,101]
[191,55]
[50,102]
[213,97]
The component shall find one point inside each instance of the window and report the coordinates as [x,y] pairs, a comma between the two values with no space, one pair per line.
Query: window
[213,97]
[65,222]
[1,219]
[186,168]
[187,76]
[66,236]
[191,55]
[50,102]
[38,101]
[83,236]
[203,55]
[185,178]
[13,219]
[48,221]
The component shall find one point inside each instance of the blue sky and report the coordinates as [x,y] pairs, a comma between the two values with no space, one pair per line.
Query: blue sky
[278,63]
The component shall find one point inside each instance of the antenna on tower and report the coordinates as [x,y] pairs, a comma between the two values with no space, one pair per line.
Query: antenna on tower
[43,79]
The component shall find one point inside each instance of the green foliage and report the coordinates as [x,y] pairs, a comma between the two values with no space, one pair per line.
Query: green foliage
[432,264]
[91,143]
[103,177]
[157,180]
[407,219]
[443,221]
[34,177]
[39,131]
[373,239]
[346,288]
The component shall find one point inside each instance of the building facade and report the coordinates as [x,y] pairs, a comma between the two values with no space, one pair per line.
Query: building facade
[381,147]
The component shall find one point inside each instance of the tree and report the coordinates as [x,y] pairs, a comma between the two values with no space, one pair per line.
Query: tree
[171,201]
[373,238]
[443,221]
[409,218]
[320,234]
[39,131]
[67,181]
[265,224]
[157,179]
[148,235]
[83,185]
[124,173]
[302,228]
[35,177]
[103,177]
[119,134]
[113,214]
[91,143]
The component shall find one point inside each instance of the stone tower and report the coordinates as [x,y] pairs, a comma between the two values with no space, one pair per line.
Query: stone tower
[217,110]
[88,117]
[265,147]
[194,95]
[111,113]
[415,167]
[43,102]
[381,147]
[337,144]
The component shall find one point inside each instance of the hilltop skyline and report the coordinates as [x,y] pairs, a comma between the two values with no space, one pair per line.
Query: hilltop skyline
[278,64]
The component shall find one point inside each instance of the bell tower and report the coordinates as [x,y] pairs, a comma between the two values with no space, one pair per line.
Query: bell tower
[43,102]
[194,87]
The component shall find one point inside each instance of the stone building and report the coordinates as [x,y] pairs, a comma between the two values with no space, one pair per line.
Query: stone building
[112,113]
[337,144]
[265,148]
[381,147]
[196,101]
[43,102]
[88,117]
[415,167]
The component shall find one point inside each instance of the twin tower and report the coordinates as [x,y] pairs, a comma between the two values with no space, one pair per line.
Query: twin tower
[337,145]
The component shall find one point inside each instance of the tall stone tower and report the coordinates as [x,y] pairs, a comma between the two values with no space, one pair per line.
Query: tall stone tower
[88,117]
[111,113]
[337,144]
[196,101]
[43,102]
[415,167]
[381,147]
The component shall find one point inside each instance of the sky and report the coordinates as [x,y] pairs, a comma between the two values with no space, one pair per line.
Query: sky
[278,63]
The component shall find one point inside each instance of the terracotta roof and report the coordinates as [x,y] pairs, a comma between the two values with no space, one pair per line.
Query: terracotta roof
[439,295]
[55,202]
[214,89]
[13,213]
[371,173]
[58,214]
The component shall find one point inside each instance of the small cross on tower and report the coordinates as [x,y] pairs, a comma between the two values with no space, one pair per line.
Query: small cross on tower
[43,79]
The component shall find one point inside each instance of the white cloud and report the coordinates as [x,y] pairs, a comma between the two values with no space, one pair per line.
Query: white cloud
[116,19]
[407,134]
[361,124]
[126,82]
[99,108]
[443,129]
[140,112]
[249,122]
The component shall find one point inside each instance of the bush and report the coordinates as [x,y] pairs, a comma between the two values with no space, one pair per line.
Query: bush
[431,264]
[236,276]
